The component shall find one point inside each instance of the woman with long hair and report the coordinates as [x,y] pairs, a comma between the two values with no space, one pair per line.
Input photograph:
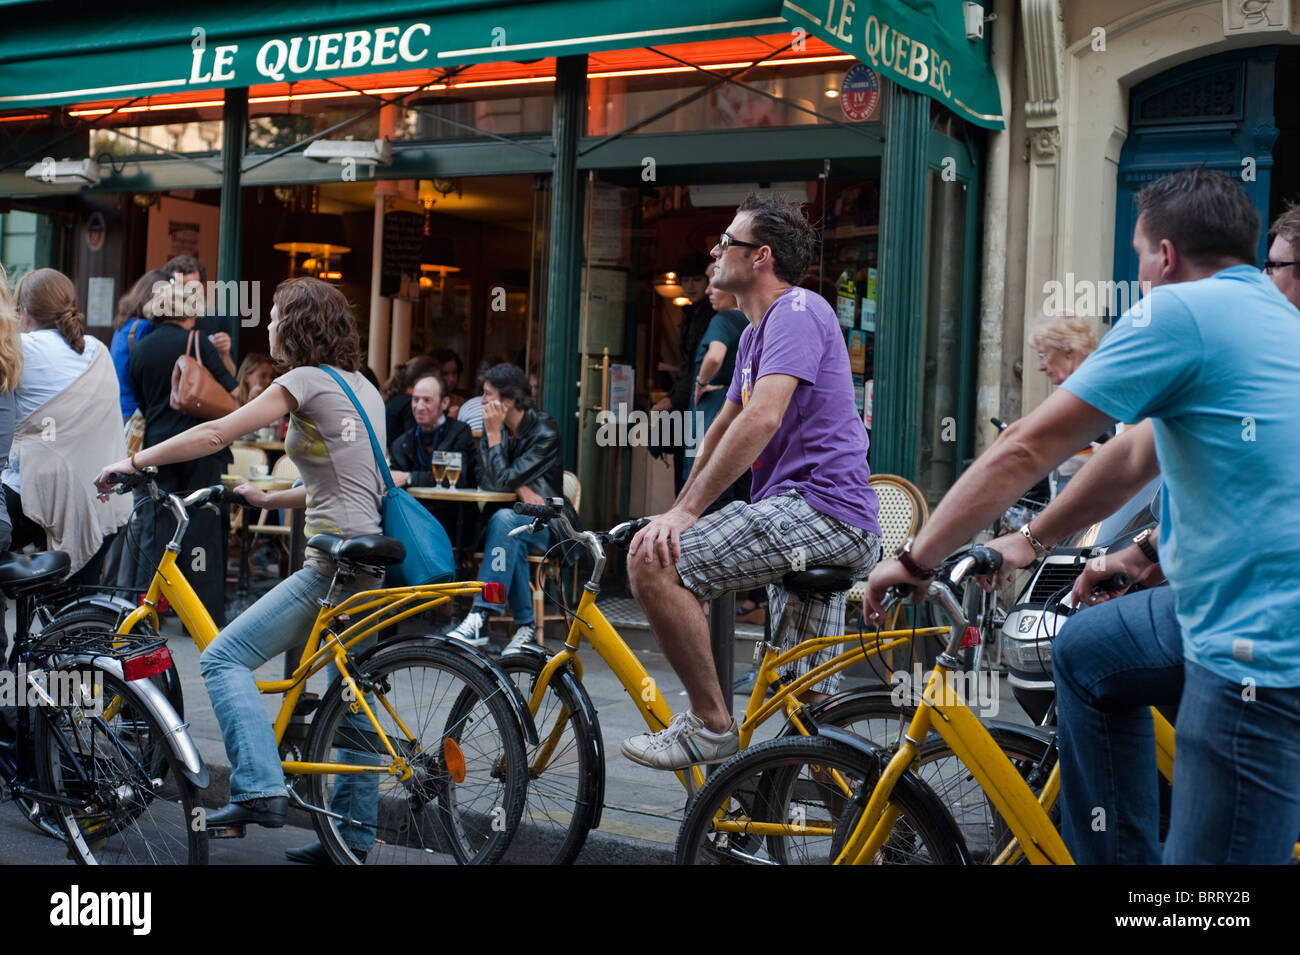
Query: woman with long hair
[11,369]
[68,418]
[311,327]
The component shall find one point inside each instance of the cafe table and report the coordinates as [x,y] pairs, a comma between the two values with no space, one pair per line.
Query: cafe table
[269,485]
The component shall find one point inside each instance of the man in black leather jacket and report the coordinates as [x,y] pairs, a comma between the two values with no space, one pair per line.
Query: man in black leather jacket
[520,452]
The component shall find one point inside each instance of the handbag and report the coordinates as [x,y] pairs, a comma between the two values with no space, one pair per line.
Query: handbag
[429,556]
[195,391]
[133,431]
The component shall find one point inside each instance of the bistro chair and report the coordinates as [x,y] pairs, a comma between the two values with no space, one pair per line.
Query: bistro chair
[902,512]
[284,470]
[246,458]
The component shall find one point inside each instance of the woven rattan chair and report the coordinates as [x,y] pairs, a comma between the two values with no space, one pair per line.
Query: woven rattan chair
[902,512]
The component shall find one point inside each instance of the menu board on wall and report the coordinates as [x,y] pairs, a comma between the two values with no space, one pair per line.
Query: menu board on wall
[403,243]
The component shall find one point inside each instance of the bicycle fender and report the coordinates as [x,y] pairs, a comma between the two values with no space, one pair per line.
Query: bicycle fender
[111,602]
[917,786]
[176,731]
[477,660]
[589,711]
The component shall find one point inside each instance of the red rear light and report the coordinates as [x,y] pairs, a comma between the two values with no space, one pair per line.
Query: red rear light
[147,664]
[972,638]
[494,593]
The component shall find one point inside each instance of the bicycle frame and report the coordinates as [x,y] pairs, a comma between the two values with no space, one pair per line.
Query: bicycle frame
[591,623]
[375,609]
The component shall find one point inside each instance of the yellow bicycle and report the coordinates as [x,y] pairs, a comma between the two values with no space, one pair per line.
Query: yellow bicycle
[414,753]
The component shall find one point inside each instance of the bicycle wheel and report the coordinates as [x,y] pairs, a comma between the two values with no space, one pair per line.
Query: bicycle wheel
[461,793]
[111,756]
[565,768]
[803,785]
[878,718]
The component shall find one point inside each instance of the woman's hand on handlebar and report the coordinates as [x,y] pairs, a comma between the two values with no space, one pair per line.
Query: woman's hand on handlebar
[104,485]
[254,496]
[1016,553]
[662,537]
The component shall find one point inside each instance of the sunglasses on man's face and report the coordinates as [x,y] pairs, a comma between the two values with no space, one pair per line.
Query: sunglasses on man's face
[727,242]
[1270,266]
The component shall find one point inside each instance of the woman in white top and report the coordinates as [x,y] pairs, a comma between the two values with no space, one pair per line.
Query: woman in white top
[67,382]
[311,325]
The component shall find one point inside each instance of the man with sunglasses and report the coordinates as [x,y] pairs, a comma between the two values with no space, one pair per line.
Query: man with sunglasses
[791,414]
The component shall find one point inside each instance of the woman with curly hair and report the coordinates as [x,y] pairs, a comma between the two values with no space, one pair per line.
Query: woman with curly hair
[311,327]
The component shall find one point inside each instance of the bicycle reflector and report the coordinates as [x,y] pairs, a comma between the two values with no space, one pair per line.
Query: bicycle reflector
[454,760]
[494,593]
[972,638]
[146,664]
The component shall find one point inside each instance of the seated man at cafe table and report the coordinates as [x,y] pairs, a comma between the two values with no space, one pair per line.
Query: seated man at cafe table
[413,454]
[520,452]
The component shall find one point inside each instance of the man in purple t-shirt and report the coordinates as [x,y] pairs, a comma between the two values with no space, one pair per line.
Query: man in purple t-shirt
[791,414]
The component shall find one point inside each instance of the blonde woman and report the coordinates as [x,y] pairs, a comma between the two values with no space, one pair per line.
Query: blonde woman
[11,369]
[1062,342]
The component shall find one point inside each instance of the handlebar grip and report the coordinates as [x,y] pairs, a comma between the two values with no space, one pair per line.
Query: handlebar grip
[1116,581]
[999,424]
[629,531]
[987,561]
[543,511]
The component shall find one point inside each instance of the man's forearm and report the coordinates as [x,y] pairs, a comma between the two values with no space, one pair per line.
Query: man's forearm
[737,449]
[1117,471]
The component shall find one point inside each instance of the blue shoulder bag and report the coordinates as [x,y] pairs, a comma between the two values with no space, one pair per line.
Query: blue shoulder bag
[429,556]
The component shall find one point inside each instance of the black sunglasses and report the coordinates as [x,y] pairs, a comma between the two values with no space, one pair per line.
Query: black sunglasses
[1270,265]
[727,242]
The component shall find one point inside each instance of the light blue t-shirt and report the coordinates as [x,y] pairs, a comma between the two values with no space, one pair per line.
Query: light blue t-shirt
[1216,364]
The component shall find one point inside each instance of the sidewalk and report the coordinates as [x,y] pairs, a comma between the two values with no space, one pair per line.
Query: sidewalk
[643,807]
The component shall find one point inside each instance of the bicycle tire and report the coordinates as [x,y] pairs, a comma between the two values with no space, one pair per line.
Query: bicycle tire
[144,811]
[475,815]
[774,771]
[564,799]
[878,718]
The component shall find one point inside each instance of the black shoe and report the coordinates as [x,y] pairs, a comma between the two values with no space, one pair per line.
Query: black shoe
[266,811]
[315,854]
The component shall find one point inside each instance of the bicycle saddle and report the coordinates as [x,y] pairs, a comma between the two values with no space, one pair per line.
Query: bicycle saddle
[367,549]
[819,580]
[20,573]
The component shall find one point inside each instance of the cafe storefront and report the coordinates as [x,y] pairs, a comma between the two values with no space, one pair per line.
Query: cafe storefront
[548,164]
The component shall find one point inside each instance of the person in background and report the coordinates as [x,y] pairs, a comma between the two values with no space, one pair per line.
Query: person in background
[691,273]
[215,328]
[68,414]
[151,376]
[412,453]
[471,412]
[256,372]
[397,395]
[1284,253]
[11,369]
[1062,342]
[452,368]
[132,323]
[312,325]
[520,452]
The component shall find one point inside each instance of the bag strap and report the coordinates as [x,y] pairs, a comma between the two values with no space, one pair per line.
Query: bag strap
[130,336]
[386,474]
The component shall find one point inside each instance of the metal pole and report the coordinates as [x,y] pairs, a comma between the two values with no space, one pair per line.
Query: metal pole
[561,360]
[722,639]
[230,234]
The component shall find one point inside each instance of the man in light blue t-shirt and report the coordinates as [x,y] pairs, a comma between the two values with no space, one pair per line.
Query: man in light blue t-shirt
[1212,357]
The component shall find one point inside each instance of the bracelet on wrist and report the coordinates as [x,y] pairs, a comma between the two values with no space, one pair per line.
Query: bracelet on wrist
[904,556]
[131,459]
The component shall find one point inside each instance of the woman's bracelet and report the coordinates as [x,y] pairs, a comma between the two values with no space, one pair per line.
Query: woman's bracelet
[134,466]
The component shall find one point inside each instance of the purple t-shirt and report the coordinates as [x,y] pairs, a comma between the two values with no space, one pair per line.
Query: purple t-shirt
[820,449]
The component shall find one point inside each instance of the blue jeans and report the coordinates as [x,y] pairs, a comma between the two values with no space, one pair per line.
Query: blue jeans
[505,561]
[277,622]
[1236,794]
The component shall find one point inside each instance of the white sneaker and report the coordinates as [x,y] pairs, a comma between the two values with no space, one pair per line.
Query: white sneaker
[684,743]
[470,630]
[525,636]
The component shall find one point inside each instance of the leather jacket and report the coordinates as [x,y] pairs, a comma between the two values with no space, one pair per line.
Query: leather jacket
[530,458]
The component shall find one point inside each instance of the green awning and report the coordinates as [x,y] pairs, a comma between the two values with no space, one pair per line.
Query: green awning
[56,53]
[920,44]
[51,54]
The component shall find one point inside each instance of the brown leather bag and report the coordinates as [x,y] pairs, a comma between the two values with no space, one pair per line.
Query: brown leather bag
[195,391]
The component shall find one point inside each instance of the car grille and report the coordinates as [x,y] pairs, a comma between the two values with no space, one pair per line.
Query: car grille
[1052,578]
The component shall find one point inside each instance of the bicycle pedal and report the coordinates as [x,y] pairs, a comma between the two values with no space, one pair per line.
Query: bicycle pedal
[228,832]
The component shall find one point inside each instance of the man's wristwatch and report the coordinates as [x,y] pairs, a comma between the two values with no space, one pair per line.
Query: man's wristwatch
[904,556]
[1034,542]
[1143,542]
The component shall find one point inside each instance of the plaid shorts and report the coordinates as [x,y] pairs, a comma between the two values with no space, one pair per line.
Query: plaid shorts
[744,546]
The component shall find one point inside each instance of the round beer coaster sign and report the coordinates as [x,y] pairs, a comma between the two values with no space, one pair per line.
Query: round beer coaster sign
[860,93]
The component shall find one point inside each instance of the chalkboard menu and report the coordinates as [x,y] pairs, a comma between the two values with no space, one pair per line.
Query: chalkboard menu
[403,242]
